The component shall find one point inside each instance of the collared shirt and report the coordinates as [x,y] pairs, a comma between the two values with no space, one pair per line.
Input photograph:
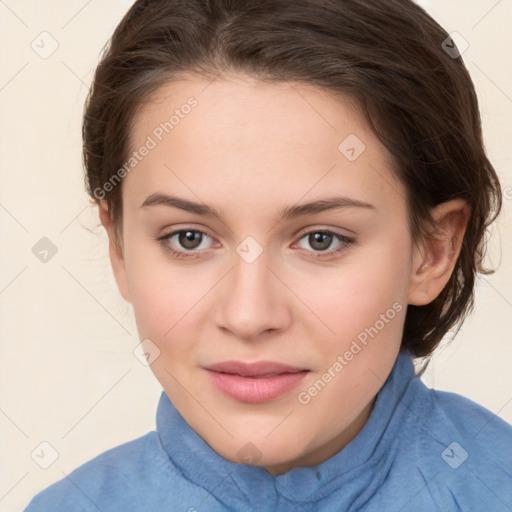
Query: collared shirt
[421,450]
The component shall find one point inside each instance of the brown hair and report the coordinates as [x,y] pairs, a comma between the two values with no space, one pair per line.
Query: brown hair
[387,54]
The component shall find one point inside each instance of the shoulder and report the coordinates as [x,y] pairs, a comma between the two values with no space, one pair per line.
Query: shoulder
[444,415]
[471,422]
[462,452]
[120,475]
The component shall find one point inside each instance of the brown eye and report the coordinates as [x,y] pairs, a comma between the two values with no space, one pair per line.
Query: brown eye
[320,241]
[184,243]
[189,239]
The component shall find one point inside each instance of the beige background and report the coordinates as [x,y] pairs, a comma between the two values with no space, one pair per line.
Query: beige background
[68,375]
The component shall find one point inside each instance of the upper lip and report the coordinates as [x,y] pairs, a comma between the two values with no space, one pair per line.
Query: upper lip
[256,369]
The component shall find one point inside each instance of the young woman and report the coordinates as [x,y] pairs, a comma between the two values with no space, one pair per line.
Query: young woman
[296,196]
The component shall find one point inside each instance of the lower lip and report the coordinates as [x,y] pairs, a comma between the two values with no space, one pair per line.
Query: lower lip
[255,390]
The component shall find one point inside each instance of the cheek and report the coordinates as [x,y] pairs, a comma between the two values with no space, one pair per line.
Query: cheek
[354,295]
[162,293]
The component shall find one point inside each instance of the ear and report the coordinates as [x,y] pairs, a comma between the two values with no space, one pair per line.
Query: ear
[434,261]
[115,251]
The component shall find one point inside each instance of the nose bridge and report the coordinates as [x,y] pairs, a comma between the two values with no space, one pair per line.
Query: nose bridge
[251,303]
[250,274]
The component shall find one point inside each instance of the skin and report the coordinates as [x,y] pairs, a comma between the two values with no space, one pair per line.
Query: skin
[250,149]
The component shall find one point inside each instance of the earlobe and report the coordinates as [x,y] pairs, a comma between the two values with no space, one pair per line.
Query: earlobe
[115,251]
[433,262]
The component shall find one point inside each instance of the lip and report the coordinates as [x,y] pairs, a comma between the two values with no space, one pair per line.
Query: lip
[257,382]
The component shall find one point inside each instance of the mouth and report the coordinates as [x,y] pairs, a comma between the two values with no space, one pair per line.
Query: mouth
[255,382]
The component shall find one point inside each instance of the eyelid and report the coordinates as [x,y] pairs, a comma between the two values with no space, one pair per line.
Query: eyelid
[168,232]
[318,229]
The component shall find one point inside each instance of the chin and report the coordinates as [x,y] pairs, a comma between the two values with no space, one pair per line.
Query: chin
[265,453]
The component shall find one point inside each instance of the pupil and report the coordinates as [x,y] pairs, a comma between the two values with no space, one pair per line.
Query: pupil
[319,237]
[188,239]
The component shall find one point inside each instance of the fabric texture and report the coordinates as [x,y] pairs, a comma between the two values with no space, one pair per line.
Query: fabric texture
[421,450]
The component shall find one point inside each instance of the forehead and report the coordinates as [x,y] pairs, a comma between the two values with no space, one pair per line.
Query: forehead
[283,116]
[241,134]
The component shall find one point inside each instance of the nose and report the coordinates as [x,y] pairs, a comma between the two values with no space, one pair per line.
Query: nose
[253,301]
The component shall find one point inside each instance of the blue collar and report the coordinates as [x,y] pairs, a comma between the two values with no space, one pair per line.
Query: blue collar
[200,464]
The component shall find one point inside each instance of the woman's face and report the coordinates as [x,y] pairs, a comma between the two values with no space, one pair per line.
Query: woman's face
[316,294]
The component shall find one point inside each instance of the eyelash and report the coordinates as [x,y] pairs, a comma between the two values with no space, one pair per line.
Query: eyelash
[347,242]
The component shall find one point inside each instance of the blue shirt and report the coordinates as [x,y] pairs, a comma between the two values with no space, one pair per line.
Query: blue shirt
[421,450]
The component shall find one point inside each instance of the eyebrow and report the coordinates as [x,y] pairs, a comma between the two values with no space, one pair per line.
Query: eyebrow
[288,213]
